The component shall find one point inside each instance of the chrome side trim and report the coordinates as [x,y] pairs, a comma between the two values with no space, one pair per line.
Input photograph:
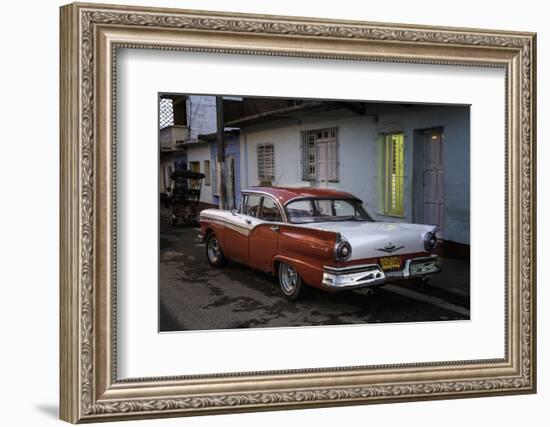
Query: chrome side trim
[226,223]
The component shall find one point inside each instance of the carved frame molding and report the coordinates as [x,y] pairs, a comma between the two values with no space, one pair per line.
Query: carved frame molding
[90,37]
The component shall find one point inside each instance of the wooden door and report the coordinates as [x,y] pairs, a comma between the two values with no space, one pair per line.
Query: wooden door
[194,167]
[433,180]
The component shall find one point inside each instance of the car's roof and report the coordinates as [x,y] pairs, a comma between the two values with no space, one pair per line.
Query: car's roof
[285,194]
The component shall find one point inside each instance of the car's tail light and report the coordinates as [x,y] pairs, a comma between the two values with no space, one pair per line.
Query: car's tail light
[343,251]
[430,241]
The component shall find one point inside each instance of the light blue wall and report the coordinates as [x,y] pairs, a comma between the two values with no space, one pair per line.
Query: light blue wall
[231,149]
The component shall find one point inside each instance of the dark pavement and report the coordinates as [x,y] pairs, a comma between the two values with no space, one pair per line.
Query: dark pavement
[195,295]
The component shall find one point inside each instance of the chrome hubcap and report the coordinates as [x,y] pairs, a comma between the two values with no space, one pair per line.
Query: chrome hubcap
[289,278]
[213,249]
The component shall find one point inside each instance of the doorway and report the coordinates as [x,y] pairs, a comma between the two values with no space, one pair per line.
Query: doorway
[429,178]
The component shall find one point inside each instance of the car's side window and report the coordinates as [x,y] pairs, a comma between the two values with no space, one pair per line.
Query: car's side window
[252,205]
[270,210]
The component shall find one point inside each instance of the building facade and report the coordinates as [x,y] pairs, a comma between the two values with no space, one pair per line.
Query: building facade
[408,163]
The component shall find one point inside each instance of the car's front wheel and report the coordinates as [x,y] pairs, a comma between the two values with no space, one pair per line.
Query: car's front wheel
[214,253]
[290,282]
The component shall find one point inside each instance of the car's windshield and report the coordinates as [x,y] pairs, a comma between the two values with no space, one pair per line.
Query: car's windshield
[318,210]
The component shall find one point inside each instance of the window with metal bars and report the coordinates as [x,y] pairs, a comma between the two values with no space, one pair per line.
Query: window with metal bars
[265,154]
[320,155]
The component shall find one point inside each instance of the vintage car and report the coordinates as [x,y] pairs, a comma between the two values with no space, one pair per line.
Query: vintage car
[318,237]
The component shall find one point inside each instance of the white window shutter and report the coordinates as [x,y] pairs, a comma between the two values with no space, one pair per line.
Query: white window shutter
[314,166]
[333,161]
[266,162]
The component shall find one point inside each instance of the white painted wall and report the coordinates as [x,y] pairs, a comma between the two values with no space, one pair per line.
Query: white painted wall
[358,136]
[199,152]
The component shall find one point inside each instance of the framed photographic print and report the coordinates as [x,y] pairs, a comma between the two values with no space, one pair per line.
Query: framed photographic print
[266,212]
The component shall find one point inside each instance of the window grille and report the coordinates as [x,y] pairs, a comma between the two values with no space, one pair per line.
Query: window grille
[266,163]
[320,155]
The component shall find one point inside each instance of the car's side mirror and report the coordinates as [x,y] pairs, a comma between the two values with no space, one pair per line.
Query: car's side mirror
[234,212]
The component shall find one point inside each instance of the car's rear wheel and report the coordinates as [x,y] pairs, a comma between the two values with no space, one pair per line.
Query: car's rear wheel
[214,253]
[290,282]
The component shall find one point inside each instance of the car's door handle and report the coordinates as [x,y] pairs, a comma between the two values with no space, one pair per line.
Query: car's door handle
[274,228]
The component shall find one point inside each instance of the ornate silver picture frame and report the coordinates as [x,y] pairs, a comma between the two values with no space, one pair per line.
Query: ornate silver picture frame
[90,37]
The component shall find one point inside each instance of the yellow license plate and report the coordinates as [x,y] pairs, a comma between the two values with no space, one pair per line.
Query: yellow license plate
[390,263]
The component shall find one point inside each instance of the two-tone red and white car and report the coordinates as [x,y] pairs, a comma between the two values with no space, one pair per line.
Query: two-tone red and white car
[318,237]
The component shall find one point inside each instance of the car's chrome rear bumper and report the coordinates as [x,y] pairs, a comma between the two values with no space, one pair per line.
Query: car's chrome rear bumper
[358,276]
